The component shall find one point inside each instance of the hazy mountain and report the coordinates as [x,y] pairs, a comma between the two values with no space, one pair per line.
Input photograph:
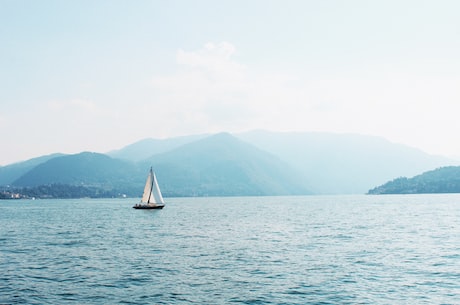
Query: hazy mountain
[441,180]
[146,148]
[223,165]
[9,173]
[254,163]
[88,169]
[344,163]
[217,165]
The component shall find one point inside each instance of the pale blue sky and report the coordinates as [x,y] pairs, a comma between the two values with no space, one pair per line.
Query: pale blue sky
[98,75]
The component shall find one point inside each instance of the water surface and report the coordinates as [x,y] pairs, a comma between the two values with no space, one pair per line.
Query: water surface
[242,250]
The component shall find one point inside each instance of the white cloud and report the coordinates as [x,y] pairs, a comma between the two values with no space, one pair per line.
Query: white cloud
[212,57]
[213,91]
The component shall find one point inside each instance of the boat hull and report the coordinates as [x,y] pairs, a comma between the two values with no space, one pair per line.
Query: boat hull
[148,207]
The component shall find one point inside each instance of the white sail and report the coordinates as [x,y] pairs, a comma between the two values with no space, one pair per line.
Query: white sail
[152,193]
[147,187]
[156,193]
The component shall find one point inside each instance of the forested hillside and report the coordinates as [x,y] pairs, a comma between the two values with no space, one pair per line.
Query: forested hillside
[441,180]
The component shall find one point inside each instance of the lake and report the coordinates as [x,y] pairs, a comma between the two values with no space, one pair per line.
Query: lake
[391,249]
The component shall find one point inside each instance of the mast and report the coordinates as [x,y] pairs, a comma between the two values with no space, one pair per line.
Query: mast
[152,178]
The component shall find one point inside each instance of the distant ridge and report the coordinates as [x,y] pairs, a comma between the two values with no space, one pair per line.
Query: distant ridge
[222,165]
[86,168]
[12,172]
[336,163]
[146,148]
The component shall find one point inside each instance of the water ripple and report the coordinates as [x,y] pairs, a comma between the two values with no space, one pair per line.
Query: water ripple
[250,250]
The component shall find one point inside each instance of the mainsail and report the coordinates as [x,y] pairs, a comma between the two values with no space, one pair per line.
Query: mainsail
[152,193]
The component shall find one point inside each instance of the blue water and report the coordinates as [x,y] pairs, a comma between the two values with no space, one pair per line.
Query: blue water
[245,250]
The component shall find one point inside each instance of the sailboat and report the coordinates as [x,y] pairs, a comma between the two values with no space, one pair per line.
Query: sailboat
[151,199]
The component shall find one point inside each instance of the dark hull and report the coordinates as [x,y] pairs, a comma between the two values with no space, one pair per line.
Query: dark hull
[148,207]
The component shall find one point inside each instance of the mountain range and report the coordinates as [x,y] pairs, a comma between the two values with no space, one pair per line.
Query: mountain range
[252,163]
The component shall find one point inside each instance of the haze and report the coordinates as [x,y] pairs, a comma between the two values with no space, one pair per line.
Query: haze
[98,75]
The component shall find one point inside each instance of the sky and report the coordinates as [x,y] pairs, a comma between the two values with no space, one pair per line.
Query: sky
[98,75]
